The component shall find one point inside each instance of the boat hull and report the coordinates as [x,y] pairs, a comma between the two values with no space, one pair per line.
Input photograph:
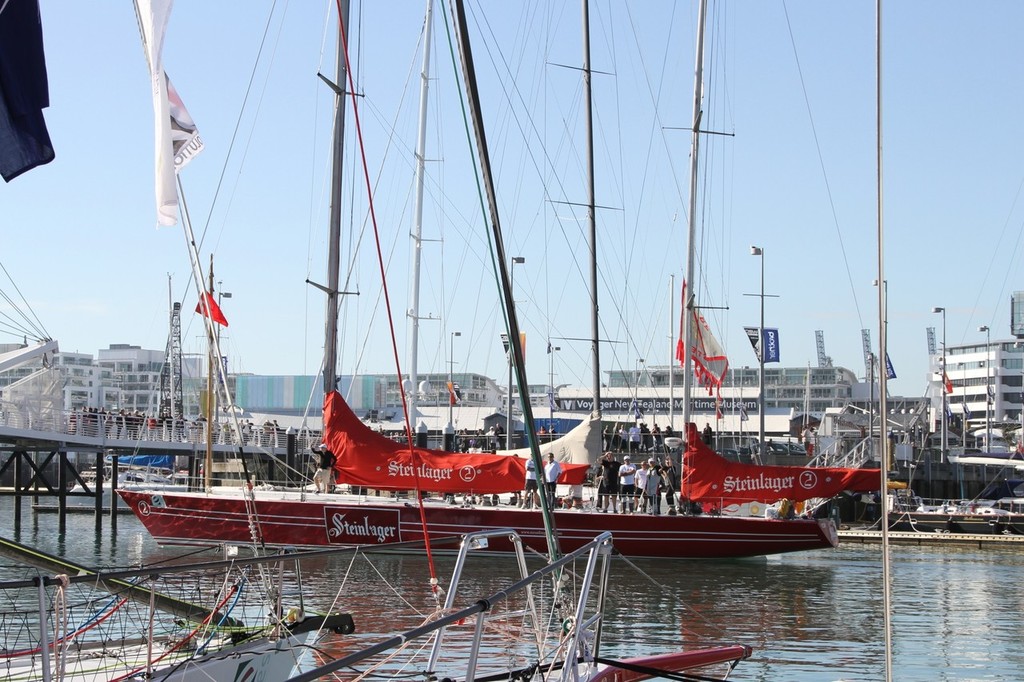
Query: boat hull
[295,520]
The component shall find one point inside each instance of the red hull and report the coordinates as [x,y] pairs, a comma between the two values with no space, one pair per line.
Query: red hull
[674,662]
[288,520]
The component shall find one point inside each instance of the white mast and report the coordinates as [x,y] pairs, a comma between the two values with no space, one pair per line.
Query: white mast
[688,306]
[882,354]
[417,234]
[671,350]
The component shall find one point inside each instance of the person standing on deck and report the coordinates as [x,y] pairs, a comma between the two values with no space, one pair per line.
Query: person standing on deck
[608,485]
[530,487]
[671,484]
[552,470]
[627,485]
[323,479]
[641,484]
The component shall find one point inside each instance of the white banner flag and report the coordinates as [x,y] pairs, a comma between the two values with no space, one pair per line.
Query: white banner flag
[177,140]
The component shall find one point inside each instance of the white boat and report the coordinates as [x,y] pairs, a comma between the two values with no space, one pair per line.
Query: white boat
[80,625]
[82,496]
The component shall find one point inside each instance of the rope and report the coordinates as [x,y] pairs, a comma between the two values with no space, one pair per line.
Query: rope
[60,625]
[384,286]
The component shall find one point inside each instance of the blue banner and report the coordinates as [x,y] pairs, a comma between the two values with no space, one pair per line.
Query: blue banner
[771,345]
[890,373]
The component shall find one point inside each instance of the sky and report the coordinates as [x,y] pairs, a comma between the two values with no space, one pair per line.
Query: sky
[790,85]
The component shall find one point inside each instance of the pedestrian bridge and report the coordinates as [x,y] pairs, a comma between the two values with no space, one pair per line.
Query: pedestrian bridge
[117,433]
[44,452]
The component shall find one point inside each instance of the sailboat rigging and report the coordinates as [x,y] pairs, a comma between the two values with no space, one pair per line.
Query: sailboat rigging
[367,460]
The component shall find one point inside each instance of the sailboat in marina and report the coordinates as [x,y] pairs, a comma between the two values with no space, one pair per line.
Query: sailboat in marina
[455,493]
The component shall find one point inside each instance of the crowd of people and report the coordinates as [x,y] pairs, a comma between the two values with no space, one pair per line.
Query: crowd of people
[624,487]
[637,439]
[135,425]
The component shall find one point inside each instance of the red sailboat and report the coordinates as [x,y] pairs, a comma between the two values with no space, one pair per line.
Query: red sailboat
[368,459]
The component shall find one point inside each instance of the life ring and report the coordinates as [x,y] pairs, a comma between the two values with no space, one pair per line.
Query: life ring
[755,509]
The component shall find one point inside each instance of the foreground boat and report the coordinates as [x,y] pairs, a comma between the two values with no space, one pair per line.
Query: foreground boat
[507,635]
[172,623]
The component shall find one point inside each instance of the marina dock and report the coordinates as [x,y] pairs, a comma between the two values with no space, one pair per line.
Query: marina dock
[979,540]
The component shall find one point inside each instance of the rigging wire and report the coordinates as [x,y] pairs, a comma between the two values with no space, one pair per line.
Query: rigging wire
[33,325]
[821,163]
[383,273]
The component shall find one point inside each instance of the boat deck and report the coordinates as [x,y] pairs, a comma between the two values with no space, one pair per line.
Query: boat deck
[864,537]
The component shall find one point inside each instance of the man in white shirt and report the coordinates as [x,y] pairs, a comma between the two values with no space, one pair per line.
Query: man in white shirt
[627,485]
[552,470]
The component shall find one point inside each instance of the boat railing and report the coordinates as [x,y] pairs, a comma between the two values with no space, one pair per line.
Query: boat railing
[580,629]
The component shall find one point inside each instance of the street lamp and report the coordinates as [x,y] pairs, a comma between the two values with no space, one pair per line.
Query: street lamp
[944,443]
[451,372]
[551,384]
[759,252]
[516,260]
[988,387]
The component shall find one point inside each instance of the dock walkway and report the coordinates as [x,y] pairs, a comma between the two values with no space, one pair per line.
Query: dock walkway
[981,541]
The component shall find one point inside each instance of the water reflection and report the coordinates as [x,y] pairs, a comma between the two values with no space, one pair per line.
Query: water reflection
[813,616]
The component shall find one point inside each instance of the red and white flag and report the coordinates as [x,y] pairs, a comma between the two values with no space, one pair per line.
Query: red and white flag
[946,382]
[454,397]
[177,139]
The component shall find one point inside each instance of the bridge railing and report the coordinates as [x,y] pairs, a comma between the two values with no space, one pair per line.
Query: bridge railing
[116,426]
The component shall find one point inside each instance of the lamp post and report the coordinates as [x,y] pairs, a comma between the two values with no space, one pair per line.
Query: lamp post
[988,386]
[943,442]
[759,252]
[451,377]
[516,260]
[551,384]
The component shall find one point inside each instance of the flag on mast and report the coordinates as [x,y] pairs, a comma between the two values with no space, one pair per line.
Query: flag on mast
[177,139]
[209,308]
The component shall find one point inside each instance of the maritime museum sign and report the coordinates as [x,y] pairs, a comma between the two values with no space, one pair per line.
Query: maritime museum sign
[656,405]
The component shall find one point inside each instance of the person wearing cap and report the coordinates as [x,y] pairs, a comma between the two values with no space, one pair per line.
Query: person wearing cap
[323,479]
[608,482]
[627,485]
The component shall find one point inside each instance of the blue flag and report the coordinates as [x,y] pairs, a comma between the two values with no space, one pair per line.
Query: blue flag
[771,345]
[24,90]
[890,373]
[637,412]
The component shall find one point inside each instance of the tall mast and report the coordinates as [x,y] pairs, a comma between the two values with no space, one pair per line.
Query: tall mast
[688,306]
[883,364]
[500,262]
[671,350]
[211,395]
[591,214]
[417,234]
[334,235]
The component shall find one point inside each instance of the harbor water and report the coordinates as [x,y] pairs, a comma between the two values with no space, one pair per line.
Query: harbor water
[809,616]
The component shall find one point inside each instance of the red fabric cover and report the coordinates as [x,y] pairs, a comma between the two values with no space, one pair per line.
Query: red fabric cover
[364,457]
[710,477]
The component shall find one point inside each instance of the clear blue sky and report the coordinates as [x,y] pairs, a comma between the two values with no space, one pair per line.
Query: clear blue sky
[794,82]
